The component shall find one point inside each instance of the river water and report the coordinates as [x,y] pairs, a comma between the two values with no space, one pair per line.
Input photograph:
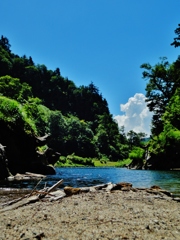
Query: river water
[89,176]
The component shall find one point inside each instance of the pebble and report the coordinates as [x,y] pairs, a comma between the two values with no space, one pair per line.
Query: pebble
[95,215]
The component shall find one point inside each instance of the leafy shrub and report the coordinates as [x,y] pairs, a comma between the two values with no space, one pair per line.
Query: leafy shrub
[12,88]
[11,112]
[124,163]
[80,160]
[73,160]
[104,159]
[39,114]
[137,153]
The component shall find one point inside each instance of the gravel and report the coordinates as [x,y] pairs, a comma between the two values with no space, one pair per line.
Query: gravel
[95,215]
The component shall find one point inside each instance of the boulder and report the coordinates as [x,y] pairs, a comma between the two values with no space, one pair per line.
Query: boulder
[22,153]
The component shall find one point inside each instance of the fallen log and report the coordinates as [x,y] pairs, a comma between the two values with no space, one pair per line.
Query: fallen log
[20,202]
[25,177]
[56,185]
[35,175]
[54,196]
[33,197]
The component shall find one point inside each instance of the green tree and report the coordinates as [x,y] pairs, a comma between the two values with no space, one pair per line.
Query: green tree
[4,42]
[12,114]
[123,135]
[176,42]
[172,113]
[165,146]
[134,138]
[12,88]
[78,118]
[39,114]
[108,138]
[5,62]
[58,130]
[79,138]
[159,89]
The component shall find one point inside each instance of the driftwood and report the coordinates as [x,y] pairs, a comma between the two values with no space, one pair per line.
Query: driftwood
[34,196]
[54,194]
[55,186]
[27,176]
[19,203]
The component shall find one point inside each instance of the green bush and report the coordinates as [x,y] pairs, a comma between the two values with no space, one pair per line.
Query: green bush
[39,114]
[104,159]
[73,160]
[124,163]
[11,112]
[137,153]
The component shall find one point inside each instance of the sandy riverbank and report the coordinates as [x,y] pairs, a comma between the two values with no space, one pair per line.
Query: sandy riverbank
[95,215]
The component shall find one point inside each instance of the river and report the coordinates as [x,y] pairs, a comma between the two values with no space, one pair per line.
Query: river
[89,176]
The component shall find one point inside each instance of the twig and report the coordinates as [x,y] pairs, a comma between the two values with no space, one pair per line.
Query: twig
[35,187]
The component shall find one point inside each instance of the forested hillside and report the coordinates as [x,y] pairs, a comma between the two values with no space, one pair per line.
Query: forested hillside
[39,101]
[44,115]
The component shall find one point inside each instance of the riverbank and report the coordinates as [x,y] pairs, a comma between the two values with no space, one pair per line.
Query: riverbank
[94,163]
[96,215]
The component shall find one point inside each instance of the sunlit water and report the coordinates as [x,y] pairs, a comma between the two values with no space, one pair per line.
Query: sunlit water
[89,176]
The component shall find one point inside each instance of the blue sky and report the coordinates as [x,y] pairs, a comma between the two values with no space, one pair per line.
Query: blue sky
[99,41]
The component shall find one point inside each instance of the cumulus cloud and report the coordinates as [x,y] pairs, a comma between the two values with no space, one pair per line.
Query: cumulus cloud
[136,115]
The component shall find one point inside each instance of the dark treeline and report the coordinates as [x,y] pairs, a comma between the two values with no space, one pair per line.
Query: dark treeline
[42,101]
[39,101]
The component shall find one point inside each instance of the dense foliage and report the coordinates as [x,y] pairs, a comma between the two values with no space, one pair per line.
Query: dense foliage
[41,101]
[163,98]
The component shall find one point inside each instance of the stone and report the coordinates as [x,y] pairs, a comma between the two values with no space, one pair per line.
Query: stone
[121,185]
[71,191]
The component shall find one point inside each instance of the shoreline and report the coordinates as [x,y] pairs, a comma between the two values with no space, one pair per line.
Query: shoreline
[98,214]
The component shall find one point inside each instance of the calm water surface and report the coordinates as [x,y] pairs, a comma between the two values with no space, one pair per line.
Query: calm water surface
[81,177]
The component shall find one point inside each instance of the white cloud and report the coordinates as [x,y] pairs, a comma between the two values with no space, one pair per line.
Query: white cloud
[136,115]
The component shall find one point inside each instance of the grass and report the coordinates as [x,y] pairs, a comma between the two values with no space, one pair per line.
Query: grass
[69,165]
[65,162]
[98,163]
[123,163]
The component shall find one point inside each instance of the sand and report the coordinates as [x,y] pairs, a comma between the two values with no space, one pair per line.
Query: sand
[95,215]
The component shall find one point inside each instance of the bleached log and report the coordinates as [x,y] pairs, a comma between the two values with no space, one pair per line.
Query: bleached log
[56,185]
[13,201]
[35,175]
[100,186]
[54,196]
[109,187]
[106,186]
[26,176]
[20,203]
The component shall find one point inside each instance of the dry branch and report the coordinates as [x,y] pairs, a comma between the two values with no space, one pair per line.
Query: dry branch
[33,197]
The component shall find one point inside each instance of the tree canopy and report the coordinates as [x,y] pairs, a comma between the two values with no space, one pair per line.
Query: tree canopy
[163,99]
[41,101]
[78,118]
